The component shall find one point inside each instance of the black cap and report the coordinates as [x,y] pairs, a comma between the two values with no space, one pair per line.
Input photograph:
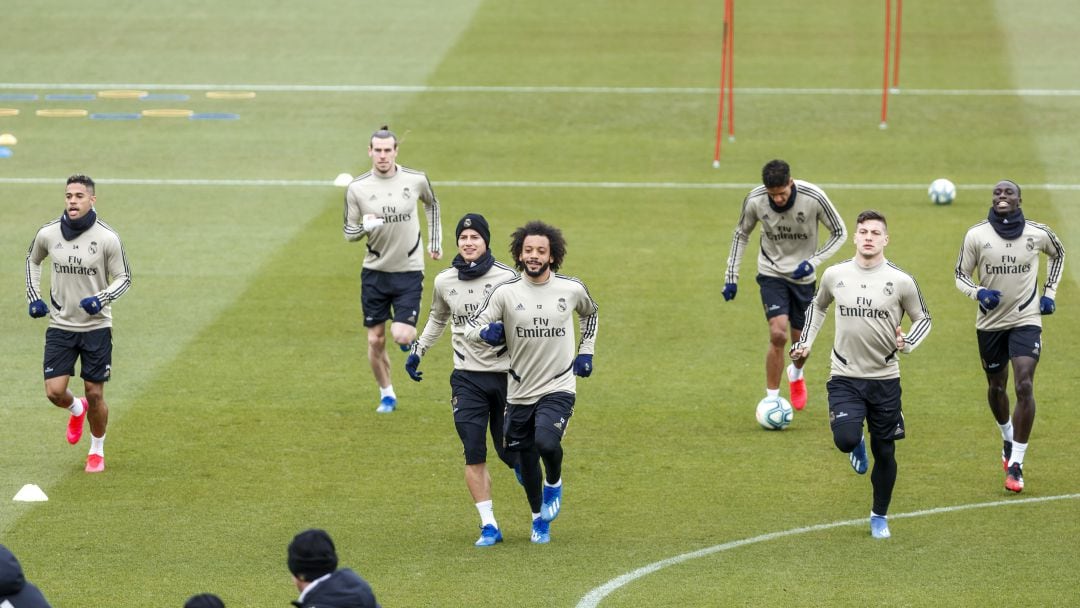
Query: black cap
[312,554]
[204,600]
[476,222]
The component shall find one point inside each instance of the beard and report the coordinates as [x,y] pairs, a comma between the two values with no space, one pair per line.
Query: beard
[539,272]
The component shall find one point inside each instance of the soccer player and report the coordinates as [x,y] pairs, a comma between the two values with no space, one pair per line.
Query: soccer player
[532,315]
[478,382]
[89,272]
[789,211]
[872,295]
[381,205]
[1004,251]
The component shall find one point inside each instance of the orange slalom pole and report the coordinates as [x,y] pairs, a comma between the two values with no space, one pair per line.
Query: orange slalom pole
[731,69]
[896,54]
[723,85]
[885,83]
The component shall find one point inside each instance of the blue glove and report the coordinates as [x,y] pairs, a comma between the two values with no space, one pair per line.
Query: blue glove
[38,308]
[493,334]
[1046,305]
[410,366]
[583,366]
[729,291]
[804,269]
[91,305]
[989,298]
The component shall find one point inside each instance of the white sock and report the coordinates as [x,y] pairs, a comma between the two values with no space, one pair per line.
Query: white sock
[772,392]
[1006,430]
[1018,453]
[536,516]
[487,513]
[76,407]
[872,514]
[794,373]
[97,445]
[387,392]
[557,484]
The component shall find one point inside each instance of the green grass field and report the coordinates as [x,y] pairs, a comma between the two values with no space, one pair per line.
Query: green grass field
[242,404]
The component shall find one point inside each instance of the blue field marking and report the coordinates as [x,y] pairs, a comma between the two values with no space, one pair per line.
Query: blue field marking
[5,152]
[70,97]
[214,116]
[593,598]
[114,116]
[165,97]
[18,97]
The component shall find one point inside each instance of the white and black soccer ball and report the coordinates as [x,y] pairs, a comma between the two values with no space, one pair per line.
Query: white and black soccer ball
[942,191]
[774,413]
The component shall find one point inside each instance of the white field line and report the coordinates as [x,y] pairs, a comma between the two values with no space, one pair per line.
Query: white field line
[598,90]
[327,183]
[593,598]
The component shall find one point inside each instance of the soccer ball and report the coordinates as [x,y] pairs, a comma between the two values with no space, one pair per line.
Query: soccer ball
[942,191]
[774,413]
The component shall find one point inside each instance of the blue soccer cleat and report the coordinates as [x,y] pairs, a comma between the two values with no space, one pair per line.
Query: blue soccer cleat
[879,526]
[541,532]
[552,503]
[489,535]
[859,461]
[387,405]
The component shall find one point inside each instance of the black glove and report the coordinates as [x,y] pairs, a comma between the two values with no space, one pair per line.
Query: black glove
[410,366]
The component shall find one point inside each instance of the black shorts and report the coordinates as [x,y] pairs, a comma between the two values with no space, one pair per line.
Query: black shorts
[94,348]
[781,297]
[379,291]
[997,347]
[551,413]
[478,400]
[877,401]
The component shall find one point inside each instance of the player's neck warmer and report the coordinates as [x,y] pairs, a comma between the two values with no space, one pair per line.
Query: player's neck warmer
[1010,226]
[787,203]
[71,229]
[467,271]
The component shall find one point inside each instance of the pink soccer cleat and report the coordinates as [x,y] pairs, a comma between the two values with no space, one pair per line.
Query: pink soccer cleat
[75,424]
[798,393]
[95,463]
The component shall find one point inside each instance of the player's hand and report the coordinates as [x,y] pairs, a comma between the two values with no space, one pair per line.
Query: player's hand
[989,298]
[798,353]
[900,339]
[1047,306]
[493,334]
[38,309]
[730,289]
[803,270]
[91,305]
[410,366]
[371,222]
[583,366]
[436,255]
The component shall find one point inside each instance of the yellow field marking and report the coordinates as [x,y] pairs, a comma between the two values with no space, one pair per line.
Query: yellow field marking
[230,94]
[9,111]
[61,113]
[122,94]
[167,113]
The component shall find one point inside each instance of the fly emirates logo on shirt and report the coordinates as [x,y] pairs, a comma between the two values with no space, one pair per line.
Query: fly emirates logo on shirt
[73,262]
[864,307]
[541,328]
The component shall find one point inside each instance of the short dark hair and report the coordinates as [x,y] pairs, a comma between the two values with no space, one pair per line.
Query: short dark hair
[85,180]
[538,228]
[1019,193]
[383,132]
[871,214]
[775,174]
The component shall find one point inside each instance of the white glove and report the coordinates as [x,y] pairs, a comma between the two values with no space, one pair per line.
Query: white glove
[371,222]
